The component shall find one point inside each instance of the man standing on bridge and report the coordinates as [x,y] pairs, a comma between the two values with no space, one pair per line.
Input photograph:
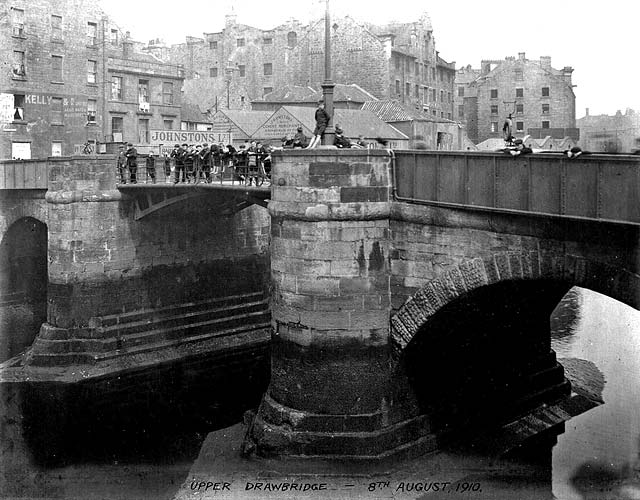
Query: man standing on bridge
[132,162]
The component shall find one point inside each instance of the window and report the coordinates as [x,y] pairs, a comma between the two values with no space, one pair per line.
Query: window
[417,68]
[494,93]
[449,116]
[167,92]
[433,95]
[117,128]
[519,109]
[56,116]
[268,69]
[545,91]
[545,109]
[433,74]
[397,63]
[267,40]
[519,75]
[267,90]
[18,68]
[519,126]
[143,130]
[92,106]
[241,69]
[56,148]
[240,42]
[213,45]
[17,21]
[92,33]
[442,96]
[398,87]
[292,39]
[18,107]
[56,69]
[417,90]
[56,27]
[434,112]
[113,38]
[448,96]
[168,124]
[460,110]
[460,91]
[494,127]
[143,91]
[519,92]
[116,88]
[545,124]
[407,89]
[92,70]
[494,109]
[213,72]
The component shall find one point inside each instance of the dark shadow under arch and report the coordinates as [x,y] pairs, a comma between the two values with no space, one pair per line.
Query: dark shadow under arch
[23,285]
[485,357]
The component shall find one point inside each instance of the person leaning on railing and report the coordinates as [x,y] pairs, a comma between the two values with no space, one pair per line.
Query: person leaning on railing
[150,163]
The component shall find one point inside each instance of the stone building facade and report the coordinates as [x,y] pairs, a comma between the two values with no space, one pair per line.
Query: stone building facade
[70,76]
[619,133]
[539,97]
[240,64]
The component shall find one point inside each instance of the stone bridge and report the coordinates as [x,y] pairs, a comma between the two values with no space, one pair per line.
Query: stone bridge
[407,291]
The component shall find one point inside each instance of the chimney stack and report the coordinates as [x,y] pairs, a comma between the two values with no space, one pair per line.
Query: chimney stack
[545,61]
[521,56]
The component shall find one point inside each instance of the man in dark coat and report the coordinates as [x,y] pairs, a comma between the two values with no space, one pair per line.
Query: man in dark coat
[132,162]
[151,167]
[122,165]
[322,120]
[300,140]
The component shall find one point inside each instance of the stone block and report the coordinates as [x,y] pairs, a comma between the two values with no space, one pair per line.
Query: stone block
[320,286]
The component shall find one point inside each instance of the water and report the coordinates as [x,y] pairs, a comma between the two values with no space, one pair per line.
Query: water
[597,456]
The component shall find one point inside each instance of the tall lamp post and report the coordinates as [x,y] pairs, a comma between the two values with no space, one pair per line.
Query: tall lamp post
[228,77]
[328,85]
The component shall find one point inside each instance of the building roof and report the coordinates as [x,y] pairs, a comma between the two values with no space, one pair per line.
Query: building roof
[354,122]
[290,93]
[192,113]
[391,110]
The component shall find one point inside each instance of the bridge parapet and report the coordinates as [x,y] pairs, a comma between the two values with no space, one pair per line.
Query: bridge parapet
[592,187]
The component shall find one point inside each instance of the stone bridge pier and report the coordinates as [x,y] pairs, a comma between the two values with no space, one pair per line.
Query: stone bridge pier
[332,390]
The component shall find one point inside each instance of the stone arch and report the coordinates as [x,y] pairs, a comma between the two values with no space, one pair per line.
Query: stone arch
[613,281]
[23,284]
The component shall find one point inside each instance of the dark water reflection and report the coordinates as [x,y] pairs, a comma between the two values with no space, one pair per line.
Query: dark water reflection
[597,456]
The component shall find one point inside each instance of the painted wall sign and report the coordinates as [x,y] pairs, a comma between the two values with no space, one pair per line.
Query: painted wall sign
[165,137]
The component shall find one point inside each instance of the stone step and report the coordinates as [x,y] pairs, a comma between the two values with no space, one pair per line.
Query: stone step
[175,309]
[272,438]
[166,321]
[182,331]
[175,332]
[44,358]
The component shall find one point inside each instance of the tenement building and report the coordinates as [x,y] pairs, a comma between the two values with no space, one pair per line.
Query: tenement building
[72,77]
[231,68]
[539,98]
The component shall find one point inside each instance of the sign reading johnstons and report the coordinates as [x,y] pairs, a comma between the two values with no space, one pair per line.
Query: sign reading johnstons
[158,137]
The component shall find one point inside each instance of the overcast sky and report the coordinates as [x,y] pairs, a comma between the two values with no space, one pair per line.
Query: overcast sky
[600,40]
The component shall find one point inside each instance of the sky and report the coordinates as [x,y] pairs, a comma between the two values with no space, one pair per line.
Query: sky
[599,40]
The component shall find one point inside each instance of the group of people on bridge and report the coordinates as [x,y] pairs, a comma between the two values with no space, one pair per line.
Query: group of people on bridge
[195,163]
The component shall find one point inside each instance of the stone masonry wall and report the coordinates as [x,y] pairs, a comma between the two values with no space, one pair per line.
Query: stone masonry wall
[102,261]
